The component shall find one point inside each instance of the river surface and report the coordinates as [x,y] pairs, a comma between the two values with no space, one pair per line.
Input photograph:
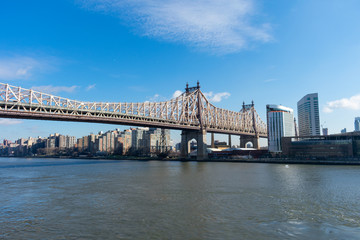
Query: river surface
[103,199]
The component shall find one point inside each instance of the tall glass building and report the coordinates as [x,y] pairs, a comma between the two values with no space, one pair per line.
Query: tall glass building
[357,124]
[308,115]
[280,123]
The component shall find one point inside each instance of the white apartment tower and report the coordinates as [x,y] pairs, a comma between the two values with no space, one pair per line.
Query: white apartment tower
[280,123]
[308,115]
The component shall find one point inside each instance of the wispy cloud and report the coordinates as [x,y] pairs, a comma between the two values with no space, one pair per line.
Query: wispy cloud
[221,26]
[54,89]
[176,93]
[216,97]
[88,88]
[123,75]
[138,88]
[352,103]
[157,98]
[270,80]
[15,68]
[5,121]
[211,96]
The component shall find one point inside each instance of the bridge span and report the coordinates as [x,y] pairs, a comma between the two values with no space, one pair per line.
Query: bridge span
[190,112]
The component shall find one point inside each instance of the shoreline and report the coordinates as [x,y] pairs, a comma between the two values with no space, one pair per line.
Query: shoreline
[305,161]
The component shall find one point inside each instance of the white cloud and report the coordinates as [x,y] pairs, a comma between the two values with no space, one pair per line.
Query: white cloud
[176,93]
[270,80]
[352,103]
[5,121]
[221,26]
[156,98]
[54,89]
[13,68]
[23,67]
[212,97]
[88,88]
[216,97]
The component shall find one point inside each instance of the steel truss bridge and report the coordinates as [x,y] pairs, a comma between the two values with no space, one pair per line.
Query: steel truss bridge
[190,112]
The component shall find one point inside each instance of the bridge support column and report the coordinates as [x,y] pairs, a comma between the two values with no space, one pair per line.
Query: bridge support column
[253,139]
[212,140]
[229,141]
[200,137]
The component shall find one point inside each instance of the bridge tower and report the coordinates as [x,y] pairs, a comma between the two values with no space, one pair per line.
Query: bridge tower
[199,136]
[244,139]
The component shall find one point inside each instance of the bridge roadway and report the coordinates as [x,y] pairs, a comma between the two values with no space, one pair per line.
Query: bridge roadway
[191,112]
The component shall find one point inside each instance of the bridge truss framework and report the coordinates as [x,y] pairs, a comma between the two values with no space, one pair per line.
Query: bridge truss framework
[191,112]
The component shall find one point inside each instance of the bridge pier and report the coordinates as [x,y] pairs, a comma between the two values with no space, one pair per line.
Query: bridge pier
[212,140]
[200,137]
[253,139]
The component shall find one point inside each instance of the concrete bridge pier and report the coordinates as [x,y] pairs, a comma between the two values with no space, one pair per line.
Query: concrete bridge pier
[200,138]
[253,139]
[212,140]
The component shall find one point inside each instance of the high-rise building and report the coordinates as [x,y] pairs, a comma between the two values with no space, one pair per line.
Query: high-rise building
[138,141]
[325,131]
[157,140]
[67,141]
[343,130]
[357,124]
[308,115]
[123,142]
[280,123]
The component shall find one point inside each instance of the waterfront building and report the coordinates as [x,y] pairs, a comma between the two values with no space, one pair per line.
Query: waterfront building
[308,115]
[157,140]
[127,140]
[62,141]
[357,124]
[280,123]
[99,144]
[57,141]
[331,146]
[105,142]
[67,141]
[83,144]
[123,142]
[150,140]
[51,142]
[6,142]
[137,138]
[343,130]
[92,141]
[31,141]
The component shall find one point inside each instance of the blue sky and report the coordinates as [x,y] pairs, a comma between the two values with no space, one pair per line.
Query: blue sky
[272,52]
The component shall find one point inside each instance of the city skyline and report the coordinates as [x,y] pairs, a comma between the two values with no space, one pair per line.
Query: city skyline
[132,141]
[273,53]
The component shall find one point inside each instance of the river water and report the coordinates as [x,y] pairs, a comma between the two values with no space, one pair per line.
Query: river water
[103,199]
